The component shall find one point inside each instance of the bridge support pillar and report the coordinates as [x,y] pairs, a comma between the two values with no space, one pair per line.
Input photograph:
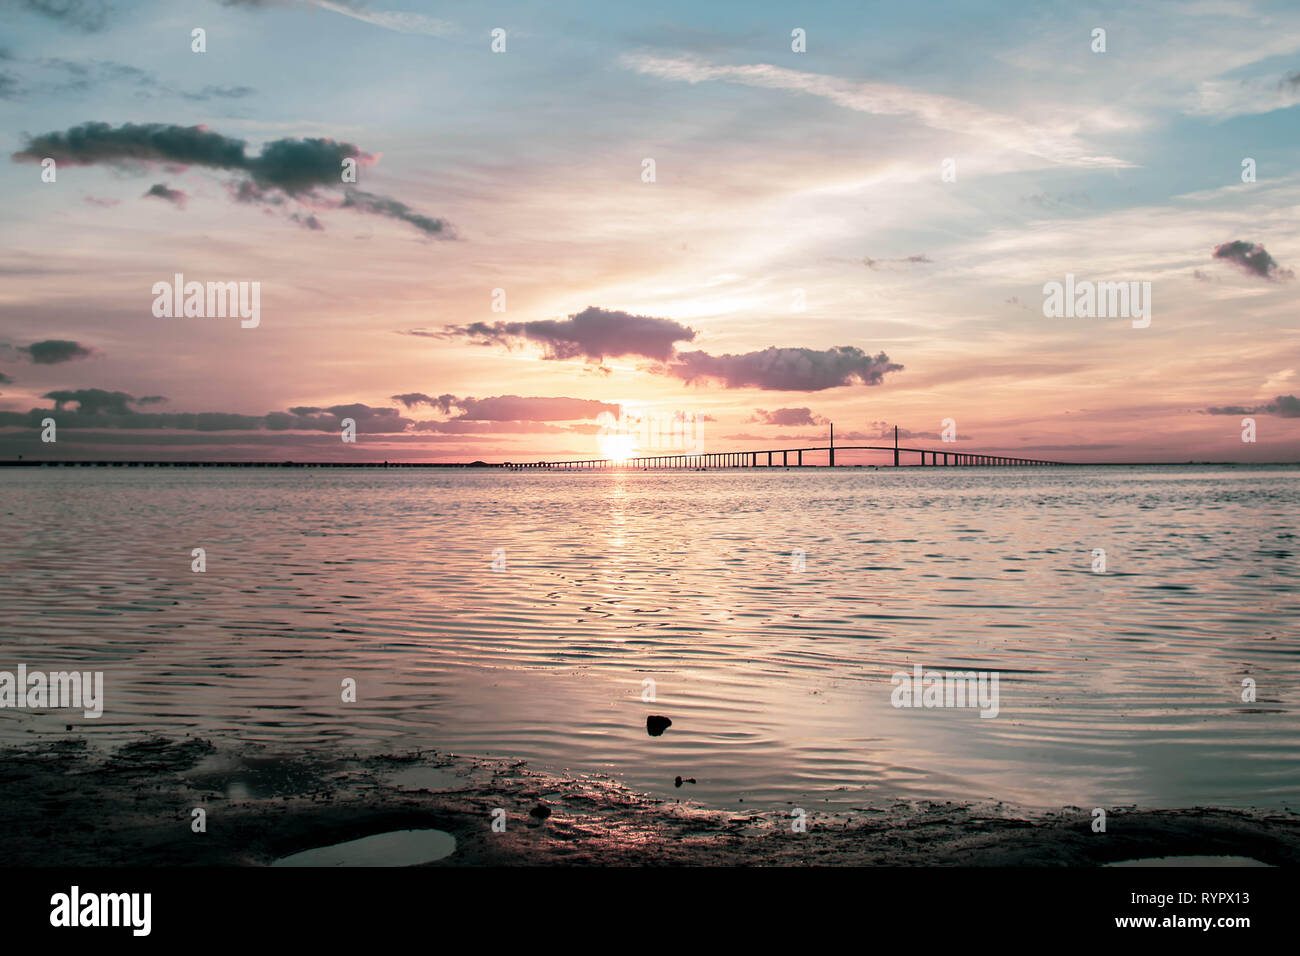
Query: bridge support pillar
[800,457]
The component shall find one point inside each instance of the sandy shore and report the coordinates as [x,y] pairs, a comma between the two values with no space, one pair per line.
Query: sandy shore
[67,804]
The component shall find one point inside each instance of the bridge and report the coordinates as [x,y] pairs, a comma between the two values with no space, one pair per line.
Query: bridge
[766,458]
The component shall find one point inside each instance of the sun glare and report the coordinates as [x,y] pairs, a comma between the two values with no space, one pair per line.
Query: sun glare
[617,447]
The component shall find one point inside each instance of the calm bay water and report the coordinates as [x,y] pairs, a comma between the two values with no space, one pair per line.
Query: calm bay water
[1122,687]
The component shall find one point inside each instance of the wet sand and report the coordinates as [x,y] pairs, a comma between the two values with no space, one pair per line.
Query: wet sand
[67,804]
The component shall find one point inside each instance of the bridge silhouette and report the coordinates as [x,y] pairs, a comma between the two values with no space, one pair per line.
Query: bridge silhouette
[696,461]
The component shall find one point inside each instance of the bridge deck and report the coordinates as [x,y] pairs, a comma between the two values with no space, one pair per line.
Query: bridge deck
[751,459]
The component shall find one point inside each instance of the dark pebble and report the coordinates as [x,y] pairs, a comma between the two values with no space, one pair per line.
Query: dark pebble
[655,726]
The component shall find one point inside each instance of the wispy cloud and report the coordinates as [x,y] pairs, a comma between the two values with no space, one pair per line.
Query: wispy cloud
[1057,145]
[1225,98]
[398,21]
[84,16]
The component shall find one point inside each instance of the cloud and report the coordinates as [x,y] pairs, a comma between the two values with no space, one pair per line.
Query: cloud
[85,16]
[398,21]
[1284,406]
[218,93]
[414,399]
[512,408]
[96,408]
[785,369]
[86,76]
[458,426]
[54,351]
[1225,98]
[162,191]
[1049,201]
[886,430]
[594,334]
[5,379]
[101,409]
[788,417]
[1057,145]
[382,206]
[1252,259]
[296,169]
[906,260]
[91,401]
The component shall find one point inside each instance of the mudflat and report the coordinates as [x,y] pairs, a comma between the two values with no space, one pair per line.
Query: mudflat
[67,803]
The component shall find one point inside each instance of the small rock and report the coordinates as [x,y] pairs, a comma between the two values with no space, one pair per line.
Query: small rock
[541,811]
[655,725]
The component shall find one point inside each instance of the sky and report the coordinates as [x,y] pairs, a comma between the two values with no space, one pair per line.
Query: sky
[595,229]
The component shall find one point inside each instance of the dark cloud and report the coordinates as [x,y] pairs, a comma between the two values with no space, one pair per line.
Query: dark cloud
[1252,259]
[594,334]
[307,222]
[94,408]
[1284,406]
[91,401]
[382,206]
[85,16]
[93,143]
[788,417]
[176,197]
[414,399]
[785,369]
[296,169]
[100,409]
[54,351]
[5,379]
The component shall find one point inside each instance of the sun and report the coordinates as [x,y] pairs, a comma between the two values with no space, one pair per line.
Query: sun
[617,447]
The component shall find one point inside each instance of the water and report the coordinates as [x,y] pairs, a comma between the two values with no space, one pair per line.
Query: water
[1115,688]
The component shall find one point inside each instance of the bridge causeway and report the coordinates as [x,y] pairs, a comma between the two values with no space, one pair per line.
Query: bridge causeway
[751,459]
